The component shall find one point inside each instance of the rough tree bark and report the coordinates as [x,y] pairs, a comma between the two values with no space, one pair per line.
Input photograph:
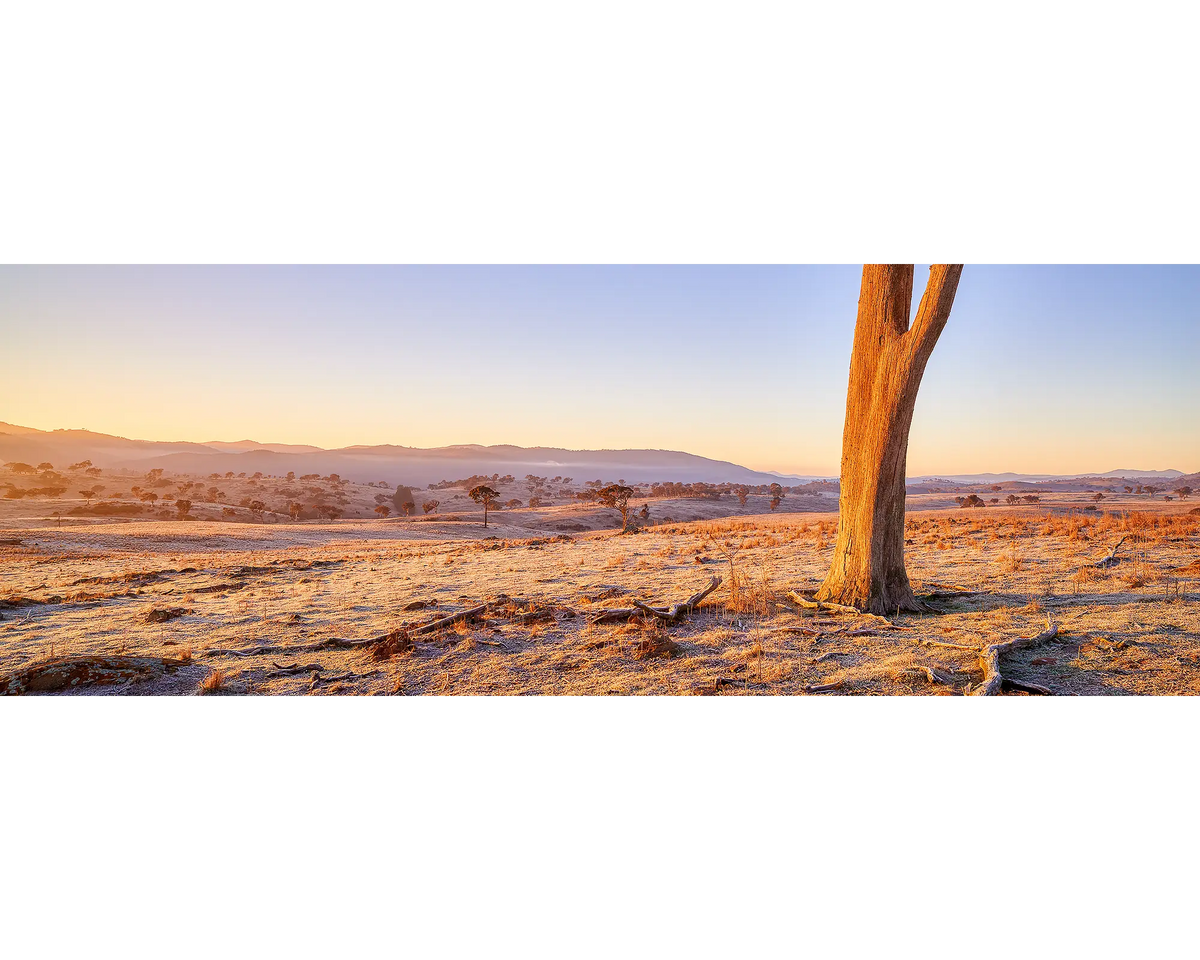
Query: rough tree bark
[886,366]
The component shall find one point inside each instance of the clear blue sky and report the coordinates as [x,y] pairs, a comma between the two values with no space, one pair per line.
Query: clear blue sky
[1041,369]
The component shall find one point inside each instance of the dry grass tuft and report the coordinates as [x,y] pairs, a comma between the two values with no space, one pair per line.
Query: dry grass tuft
[649,640]
[1139,574]
[213,683]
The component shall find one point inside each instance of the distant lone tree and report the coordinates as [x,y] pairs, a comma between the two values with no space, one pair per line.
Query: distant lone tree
[1031,498]
[777,495]
[256,508]
[485,495]
[513,504]
[82,464]
[1011,499]
[183,508]
[383,510]
[23,469]
[408,506]
[886,366]
[644,513]
[535,502]
[45,466]
[1097,496]
[1183,492]
[1152,490]
[430,506]
[294,510]
[616,495]
[742,494]
[88,495]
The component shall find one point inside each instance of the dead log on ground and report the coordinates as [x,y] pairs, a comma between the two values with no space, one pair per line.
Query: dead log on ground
[72,673]
[989,656]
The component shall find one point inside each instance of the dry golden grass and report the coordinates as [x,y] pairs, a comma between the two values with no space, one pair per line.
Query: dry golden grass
[1025,565]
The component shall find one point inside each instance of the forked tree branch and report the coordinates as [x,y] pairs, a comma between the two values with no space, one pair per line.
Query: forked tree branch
[935,306]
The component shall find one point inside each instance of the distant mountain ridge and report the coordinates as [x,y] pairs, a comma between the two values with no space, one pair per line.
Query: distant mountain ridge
[1035,477]
[420,466]
[392,463]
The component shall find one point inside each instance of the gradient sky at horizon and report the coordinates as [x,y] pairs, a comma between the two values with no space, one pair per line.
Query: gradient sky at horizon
[1041,369]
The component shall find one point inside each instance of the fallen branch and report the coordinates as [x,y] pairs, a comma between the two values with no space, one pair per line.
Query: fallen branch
[950,646]
[675,613]
[330,643]
[1111,559]
[931,674]
[450,620]
[830,607]
[294,668]
[1027,687]
[824,687]
[989,656]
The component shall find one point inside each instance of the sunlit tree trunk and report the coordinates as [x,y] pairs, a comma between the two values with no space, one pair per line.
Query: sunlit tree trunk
[885,371]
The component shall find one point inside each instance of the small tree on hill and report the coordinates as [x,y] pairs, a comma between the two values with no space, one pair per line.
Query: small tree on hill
[777,495]
[408,507]
[742,494]
[294,510]
[485,495]
[1011,499]
[183,508]
[1183,492]
[430,506]
[383,510]
[616,495]
[256,509]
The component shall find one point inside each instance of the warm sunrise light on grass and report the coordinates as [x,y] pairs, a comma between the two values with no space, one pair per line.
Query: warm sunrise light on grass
[696,480]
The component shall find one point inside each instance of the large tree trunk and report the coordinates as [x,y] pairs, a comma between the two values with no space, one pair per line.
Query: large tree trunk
[885,371]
